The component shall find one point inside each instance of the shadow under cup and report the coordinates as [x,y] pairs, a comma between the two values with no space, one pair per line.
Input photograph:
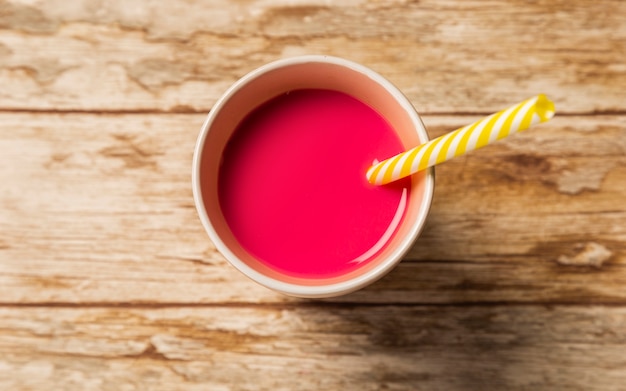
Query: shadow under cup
[267,82]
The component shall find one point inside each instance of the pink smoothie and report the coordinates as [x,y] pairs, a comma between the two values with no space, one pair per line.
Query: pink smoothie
[292,184]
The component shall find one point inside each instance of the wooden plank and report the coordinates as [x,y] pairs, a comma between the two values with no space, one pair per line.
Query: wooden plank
[447,56]
[314,347]
[98,209]
[108,282]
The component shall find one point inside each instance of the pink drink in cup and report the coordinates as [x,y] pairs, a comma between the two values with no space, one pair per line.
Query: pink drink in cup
[279,176]
[287,184]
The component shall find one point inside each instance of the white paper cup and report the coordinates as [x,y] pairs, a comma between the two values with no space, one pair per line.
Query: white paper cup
[267,82]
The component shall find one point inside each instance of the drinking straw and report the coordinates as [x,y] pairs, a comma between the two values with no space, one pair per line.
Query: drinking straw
[487,130]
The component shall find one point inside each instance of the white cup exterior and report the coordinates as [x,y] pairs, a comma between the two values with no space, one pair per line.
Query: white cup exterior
[245,93]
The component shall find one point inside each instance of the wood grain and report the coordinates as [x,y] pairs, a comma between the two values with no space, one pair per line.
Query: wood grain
[100,210]
[447,56]
[108,282]
[314,347]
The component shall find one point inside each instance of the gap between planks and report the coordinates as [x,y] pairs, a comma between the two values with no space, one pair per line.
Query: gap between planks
[308,304]
[192,111]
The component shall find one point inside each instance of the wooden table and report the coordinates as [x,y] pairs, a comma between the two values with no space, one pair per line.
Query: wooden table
[108,281]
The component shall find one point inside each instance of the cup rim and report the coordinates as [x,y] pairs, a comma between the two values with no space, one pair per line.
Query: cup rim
[337,288]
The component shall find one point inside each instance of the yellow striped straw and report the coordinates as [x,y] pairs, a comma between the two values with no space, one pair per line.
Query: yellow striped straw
[499,125]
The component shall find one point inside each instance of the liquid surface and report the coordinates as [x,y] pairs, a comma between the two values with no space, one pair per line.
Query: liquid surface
[292,184]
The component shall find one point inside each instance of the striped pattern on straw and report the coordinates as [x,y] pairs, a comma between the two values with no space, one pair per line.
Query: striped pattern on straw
[499,125]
